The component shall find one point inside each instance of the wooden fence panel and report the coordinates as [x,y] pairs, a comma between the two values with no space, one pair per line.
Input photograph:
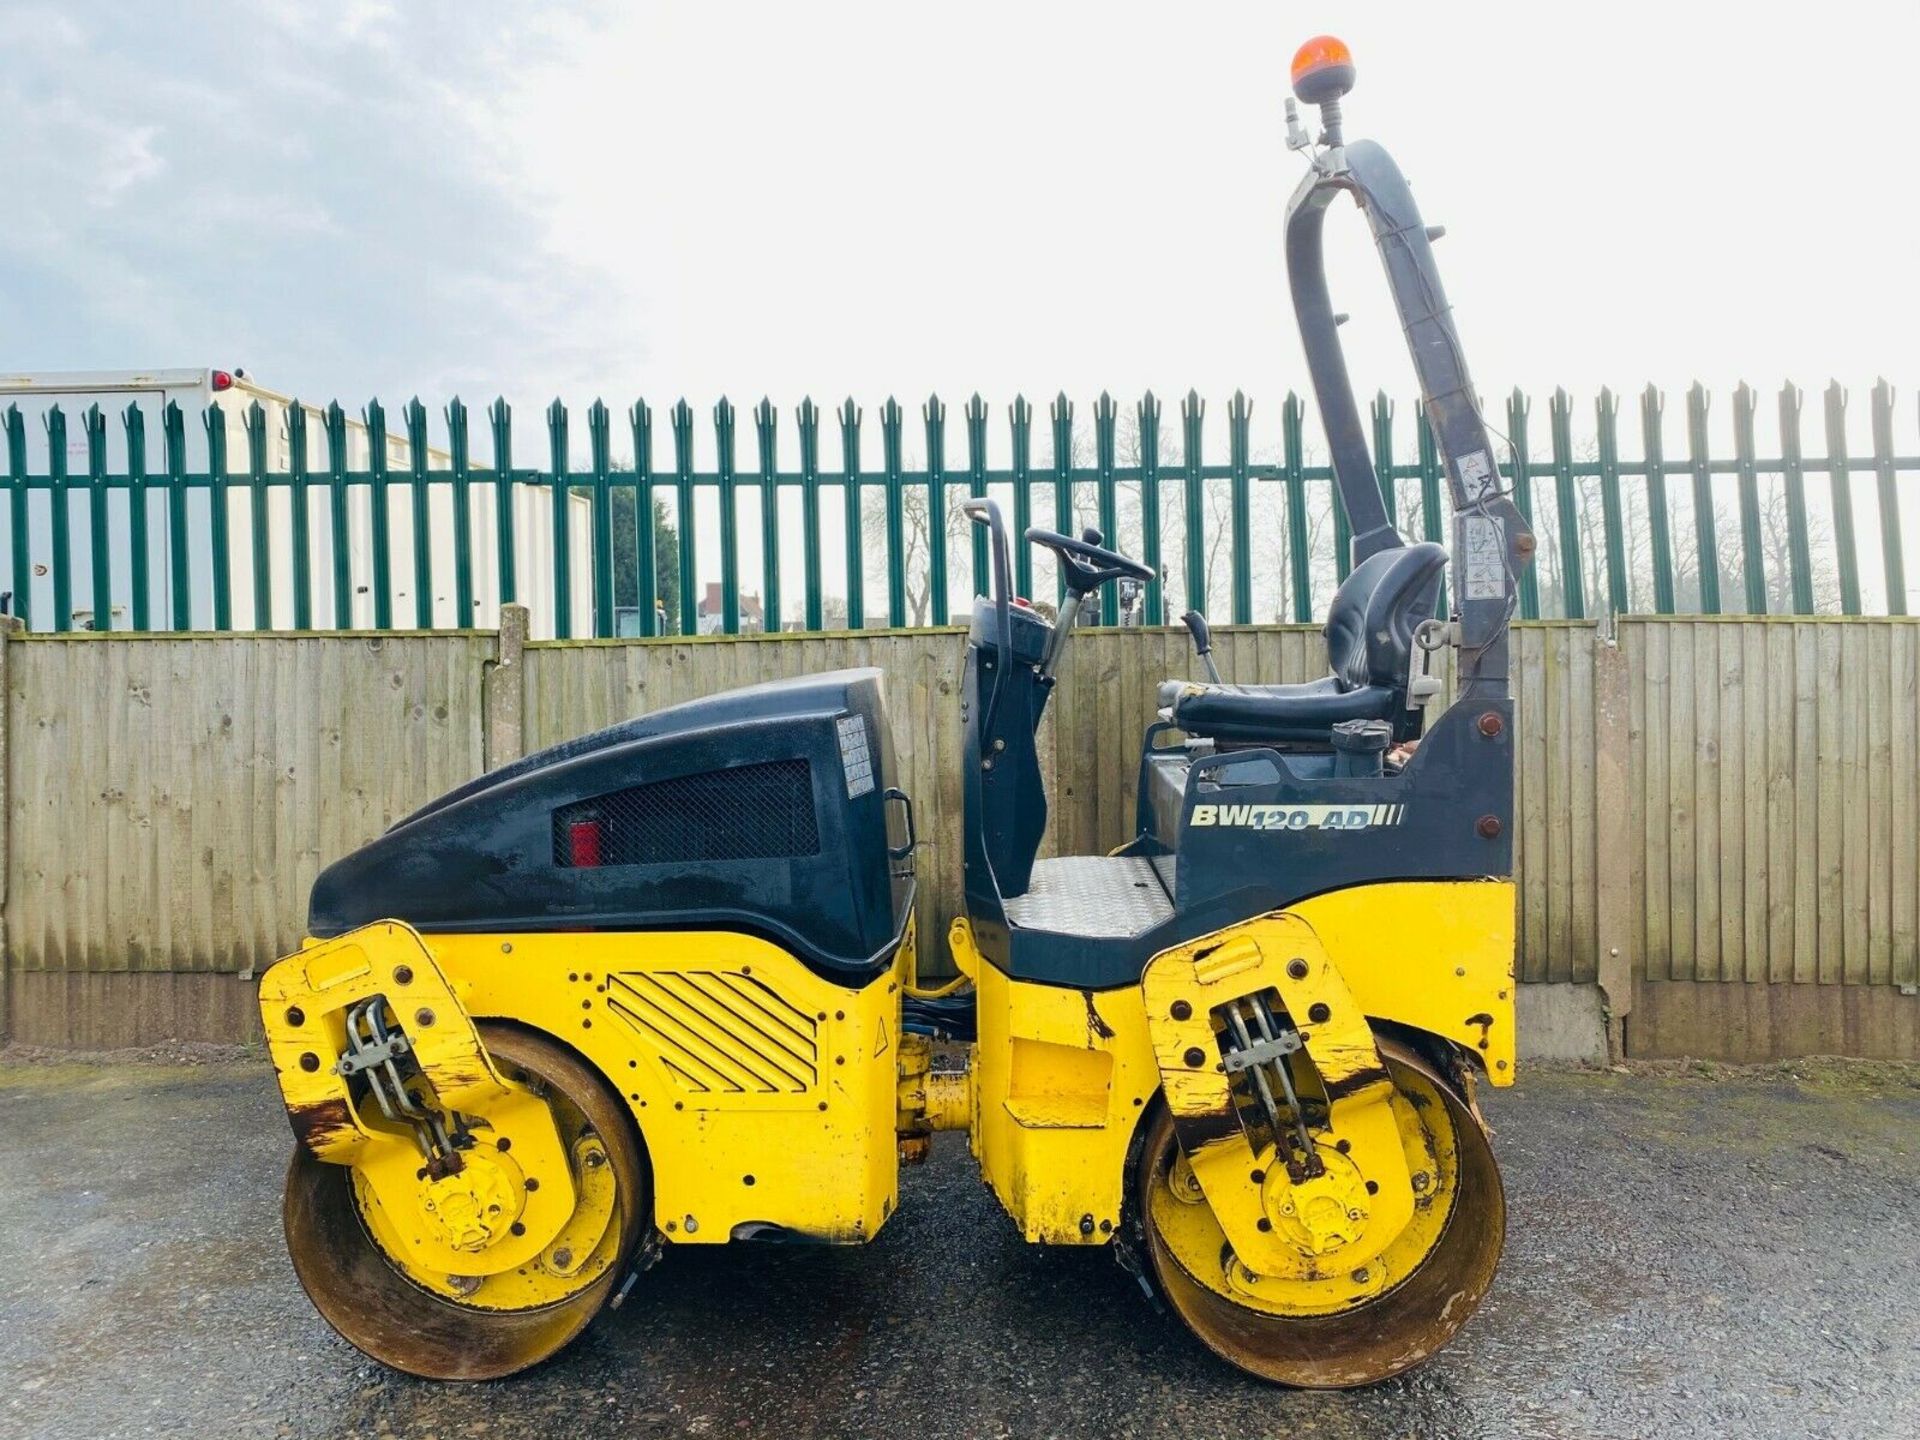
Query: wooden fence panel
[172,799]
[1775,780]
[169,799]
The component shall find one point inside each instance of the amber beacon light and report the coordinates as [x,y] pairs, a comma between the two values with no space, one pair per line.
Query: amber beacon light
[1322,70]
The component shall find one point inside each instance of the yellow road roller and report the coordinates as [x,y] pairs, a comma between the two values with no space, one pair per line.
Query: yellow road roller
[660,985]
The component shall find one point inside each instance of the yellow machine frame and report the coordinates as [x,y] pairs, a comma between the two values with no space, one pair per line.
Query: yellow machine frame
[767,1096]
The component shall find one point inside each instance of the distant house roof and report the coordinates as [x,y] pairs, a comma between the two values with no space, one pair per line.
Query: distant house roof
[750,607]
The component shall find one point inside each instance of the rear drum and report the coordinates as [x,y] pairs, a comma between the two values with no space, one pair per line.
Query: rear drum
[444,1328]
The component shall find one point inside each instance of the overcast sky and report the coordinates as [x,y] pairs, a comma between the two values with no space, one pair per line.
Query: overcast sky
[622,200]
[364,198]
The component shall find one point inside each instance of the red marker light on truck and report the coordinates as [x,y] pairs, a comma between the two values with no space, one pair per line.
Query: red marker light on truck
[221,380]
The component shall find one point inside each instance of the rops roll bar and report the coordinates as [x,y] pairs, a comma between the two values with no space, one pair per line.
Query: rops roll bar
[1491,540]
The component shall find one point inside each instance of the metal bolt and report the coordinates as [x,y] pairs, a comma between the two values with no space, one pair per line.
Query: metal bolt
[1182,1010]
[403,974]
[533,1183]
[1319,1013]
[563,1257]
[517,1228]
[1086,1224]
[1195,1057]
[692,1225]
[1422,1180]
[423,1017]
[1491,724]
[296,1016]
[1487,827]
[1297,969]
[1361,1276]
[309,1062]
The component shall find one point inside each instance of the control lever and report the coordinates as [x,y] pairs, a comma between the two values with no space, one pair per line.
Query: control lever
[1196,624]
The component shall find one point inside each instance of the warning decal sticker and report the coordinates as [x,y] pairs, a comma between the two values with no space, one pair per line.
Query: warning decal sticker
[1484,567]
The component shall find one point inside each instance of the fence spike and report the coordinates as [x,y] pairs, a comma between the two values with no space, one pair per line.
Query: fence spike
[1106,495]
[1892,560]
[1240,504]
[933,415]
[766,431]
[1147,416]
[333,422]
[684,516]
[374,416]
[418,483]
[1064,519]
[1793,479]
[260,531]
[727,484]
[1705,527]
[1840,485]
[139,502]
[1293,451]
[179,577]
[1520,453]
[460,476]
[853,513]
[1573,587]
[1752,541]
[1612,517]
[976,422]
[1193,414]
[22,568]
[94,425]
[1021,416]
[600,461]
[500,421]
[809,418]
[219,518]
[646,571]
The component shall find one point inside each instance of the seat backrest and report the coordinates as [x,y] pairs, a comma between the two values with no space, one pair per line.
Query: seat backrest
[1376,610]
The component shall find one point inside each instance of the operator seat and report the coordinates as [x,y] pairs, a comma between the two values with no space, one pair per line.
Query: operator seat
[1369,648]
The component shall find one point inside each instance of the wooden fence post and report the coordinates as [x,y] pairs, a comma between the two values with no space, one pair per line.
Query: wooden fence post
[503,692]
[9,626]
[1614,913]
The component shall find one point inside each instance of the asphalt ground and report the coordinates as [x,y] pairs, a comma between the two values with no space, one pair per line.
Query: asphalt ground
[1728,1255]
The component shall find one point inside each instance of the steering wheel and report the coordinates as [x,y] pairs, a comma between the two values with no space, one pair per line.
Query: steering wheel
[1086,564]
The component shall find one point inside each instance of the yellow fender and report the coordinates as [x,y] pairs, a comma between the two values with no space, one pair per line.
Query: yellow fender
[1365,1197]
[484,1219]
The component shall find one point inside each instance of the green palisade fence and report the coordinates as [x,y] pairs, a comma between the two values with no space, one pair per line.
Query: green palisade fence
[1652,521]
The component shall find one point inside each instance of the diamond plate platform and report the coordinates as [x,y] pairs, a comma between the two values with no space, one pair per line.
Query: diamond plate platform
[1107,896]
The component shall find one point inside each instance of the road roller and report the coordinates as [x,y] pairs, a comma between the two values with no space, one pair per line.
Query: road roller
[661,986]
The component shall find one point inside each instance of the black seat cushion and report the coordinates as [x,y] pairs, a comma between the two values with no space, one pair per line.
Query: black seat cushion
[1246,714]
[1369,634]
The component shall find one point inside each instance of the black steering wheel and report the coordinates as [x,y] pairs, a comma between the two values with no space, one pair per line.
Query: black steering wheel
[1086,564]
